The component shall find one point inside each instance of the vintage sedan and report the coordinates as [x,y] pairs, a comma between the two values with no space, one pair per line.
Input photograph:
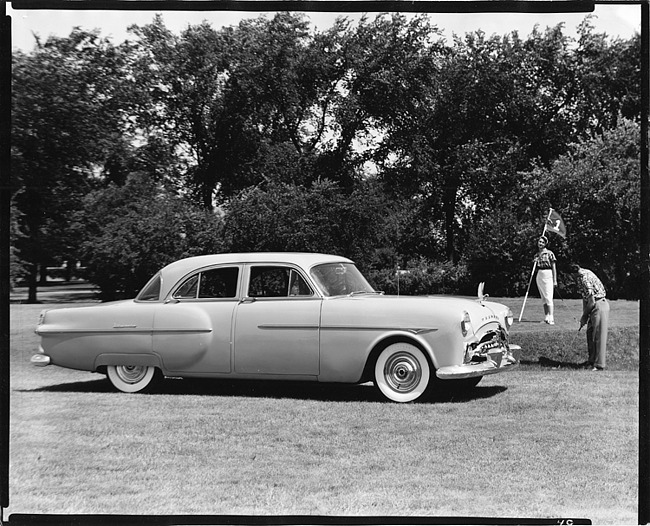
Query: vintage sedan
[281,316]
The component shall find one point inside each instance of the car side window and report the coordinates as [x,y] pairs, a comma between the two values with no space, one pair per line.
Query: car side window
[219,283]
[277,282]
[298,286]
[213,283]
[188,289]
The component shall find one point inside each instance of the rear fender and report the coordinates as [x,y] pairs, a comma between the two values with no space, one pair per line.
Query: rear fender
[103,360]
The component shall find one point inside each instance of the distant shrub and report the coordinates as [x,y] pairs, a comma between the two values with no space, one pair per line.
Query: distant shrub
[134,230]
[421,277]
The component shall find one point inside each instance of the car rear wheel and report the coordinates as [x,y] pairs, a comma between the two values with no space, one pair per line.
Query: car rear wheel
[133,378]
[402,372]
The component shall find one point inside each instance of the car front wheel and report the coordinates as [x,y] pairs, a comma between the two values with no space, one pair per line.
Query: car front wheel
[402,372]
[133,378]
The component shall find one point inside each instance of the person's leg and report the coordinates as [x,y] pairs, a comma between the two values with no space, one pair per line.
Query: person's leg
[551,308]
[542,287]
[601,323]
[591,348]
[545,286]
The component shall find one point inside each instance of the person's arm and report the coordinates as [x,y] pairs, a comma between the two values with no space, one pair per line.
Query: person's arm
[553,267]
[587,306]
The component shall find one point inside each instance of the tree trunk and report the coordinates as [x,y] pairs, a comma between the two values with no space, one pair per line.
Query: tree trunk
[32,282]
[43,275]
[69,269]
[450,216]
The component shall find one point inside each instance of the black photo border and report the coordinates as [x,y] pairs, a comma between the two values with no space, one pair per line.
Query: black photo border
[342,6]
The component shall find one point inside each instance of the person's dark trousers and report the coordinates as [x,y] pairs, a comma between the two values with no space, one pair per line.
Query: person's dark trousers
[597,333]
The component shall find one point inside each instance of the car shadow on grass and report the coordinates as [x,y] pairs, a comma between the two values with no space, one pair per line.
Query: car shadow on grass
[330,392]
[542,361]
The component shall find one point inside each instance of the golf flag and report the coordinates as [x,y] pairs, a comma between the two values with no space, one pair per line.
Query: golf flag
[555,224]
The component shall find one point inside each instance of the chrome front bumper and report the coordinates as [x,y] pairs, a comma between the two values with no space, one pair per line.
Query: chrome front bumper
[498,361]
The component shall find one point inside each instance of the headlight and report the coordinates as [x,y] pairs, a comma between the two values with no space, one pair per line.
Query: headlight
[509,319]
[465,323]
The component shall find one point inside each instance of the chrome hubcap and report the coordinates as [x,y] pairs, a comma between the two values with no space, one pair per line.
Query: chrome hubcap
[131,374]
[402,372]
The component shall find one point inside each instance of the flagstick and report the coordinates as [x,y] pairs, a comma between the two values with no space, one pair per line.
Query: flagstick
[530,281]
[527,290]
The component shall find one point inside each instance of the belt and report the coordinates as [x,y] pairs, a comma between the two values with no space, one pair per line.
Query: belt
[599,299]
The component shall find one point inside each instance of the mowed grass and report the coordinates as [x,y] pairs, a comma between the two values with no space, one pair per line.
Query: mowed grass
[546,440]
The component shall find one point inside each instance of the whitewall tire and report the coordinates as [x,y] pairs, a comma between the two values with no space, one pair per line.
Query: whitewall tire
[402,372]
[132,378]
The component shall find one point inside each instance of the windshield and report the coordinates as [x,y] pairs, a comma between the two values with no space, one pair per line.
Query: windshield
[338,279]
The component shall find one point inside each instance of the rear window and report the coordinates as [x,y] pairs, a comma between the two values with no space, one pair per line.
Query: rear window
[214,283]
[219,283]
[151,291]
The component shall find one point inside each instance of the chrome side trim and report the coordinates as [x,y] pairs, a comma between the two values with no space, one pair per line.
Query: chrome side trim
[193,331]
[288,327]
[413,330]
[92,331]
[119,330]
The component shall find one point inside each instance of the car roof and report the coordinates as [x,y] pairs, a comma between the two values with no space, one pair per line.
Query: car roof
[176,270]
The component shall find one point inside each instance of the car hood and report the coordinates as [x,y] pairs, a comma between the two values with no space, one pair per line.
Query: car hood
[423,309]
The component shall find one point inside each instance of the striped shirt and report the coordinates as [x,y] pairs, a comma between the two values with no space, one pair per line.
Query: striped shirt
[545,259]
[590,285]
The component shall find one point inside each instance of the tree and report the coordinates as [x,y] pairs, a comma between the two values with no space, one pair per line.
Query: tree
[385,68]
[497,106]
[596,188]
[65,121]
[609,74]
[245,104]
[131,231]
[318,218]
[377,140]
[17,269]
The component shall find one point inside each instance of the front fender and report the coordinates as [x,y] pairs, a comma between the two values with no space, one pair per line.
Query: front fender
[346,352]
[417,337]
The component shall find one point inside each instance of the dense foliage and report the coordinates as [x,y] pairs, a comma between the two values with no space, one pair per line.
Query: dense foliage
[131,231]
[432,163]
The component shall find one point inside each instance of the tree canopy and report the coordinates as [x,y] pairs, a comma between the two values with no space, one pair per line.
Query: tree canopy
[379,140]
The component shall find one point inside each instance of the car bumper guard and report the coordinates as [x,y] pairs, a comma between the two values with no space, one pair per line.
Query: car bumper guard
[498,360]
[40,360]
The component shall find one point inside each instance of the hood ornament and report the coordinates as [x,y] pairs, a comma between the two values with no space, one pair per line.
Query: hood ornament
[481,296]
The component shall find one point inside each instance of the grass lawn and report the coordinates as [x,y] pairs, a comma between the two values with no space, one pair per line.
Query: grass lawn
[546,440]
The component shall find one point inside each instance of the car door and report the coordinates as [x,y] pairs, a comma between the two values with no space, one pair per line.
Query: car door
[277,323]
[193,328]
